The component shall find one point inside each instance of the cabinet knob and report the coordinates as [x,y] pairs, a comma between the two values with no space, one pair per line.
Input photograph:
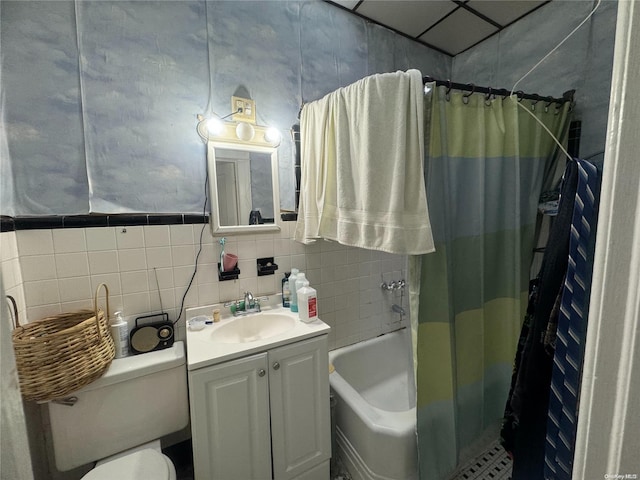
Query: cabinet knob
[261,372]
[276,365]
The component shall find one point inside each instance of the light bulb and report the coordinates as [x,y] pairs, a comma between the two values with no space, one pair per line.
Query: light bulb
[272,136]
[214,126]
[245,131]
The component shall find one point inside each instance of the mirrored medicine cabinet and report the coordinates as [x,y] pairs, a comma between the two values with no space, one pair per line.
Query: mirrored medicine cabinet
[242,162]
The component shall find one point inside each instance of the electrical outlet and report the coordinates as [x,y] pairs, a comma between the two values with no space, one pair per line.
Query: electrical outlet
[245,108]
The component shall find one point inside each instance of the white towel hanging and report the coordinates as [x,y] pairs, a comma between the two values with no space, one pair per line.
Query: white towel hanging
[362,150]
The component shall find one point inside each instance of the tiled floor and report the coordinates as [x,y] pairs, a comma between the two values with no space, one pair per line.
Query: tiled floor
[492,464]
[338,471]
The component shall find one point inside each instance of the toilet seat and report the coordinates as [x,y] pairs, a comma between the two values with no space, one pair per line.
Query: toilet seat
[147,464]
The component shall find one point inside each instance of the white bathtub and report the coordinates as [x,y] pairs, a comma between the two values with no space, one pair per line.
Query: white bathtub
[375,408]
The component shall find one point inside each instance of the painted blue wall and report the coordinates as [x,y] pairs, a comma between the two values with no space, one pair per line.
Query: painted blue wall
[100,98]
[584,62]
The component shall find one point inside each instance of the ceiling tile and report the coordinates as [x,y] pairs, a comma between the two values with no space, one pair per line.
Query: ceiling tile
[409,17]
[504,11]
[346,3]
[458,31]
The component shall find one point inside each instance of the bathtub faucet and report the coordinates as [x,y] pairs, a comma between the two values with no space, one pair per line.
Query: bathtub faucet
[397,309]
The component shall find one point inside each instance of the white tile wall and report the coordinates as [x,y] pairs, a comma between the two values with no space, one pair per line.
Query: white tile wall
[52,271]
[69,240]
[11,273]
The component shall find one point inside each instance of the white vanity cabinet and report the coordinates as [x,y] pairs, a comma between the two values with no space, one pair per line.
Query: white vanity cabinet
[264,416]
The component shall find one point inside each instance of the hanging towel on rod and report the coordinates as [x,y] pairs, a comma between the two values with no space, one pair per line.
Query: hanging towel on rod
[362,150]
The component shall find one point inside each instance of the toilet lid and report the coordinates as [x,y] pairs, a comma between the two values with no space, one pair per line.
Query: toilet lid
[145,464]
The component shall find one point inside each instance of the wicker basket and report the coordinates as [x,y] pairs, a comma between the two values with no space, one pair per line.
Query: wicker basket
[60,354]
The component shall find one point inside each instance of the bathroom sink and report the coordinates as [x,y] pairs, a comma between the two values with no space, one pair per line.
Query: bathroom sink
[252,328]
[236,337]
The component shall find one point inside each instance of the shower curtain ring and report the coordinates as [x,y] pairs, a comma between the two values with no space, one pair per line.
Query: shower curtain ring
[465,97]
[546,106]
[449,87]
[534,102]
[487,98]
[558,107]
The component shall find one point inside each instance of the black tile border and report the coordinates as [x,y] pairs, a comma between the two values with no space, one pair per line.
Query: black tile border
[10,224]
[6,224]
[127,220]
[155,219]
[198,219]
[83,221]
[33,223]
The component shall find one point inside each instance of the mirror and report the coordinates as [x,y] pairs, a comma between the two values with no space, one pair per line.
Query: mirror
[243,187]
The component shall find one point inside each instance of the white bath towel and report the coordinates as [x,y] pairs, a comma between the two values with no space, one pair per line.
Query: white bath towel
[362,166]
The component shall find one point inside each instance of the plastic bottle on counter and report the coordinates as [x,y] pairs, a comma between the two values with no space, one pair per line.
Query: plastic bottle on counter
[292,286]
[120,333]
[307,302]
[301,278]
[286,291]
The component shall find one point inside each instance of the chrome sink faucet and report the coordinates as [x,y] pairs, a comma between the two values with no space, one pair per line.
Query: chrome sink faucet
[251,305]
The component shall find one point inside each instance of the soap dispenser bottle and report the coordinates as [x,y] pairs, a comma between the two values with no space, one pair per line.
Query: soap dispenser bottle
[119,330]
[286,291]
[300,279]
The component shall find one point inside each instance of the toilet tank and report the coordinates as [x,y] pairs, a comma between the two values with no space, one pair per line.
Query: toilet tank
[138,399]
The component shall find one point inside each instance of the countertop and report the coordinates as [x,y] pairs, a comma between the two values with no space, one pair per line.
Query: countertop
[203,350]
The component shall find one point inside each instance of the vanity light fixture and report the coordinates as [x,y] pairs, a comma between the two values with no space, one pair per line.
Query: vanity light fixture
[214,124]
[242,133]
[241,129]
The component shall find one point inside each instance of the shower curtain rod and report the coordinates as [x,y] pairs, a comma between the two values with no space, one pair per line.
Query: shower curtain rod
[470,87]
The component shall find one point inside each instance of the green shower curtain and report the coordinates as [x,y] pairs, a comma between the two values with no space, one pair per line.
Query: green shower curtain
[487,161]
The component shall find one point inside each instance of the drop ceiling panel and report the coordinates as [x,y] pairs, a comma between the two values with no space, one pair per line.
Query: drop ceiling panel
[451,26]
[409,17]
[347,3]
[504,11]
[458,31]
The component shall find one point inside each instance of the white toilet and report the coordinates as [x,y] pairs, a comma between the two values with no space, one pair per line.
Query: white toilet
[118,419]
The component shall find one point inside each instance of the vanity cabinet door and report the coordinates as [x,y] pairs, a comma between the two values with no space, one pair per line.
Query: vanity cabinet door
[300,416]
[230,420]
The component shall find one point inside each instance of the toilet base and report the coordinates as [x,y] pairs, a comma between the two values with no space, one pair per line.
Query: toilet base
[144,462]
